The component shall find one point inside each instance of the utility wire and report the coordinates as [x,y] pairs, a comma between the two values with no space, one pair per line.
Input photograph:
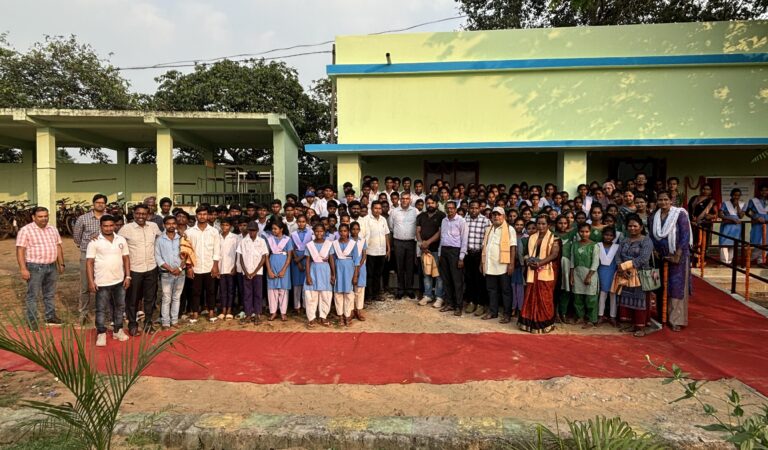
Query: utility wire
[247,56]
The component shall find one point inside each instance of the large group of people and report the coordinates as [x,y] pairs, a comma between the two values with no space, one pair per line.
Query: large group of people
[525,252]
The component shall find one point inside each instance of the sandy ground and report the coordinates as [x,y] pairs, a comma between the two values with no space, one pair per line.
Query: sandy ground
[644,402]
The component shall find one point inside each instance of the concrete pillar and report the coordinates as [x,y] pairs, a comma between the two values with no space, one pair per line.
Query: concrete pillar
[28,174]
[46,168]
[348,169]
[208,174]
[164,163]
[571,169]
[285,167]
[122,168]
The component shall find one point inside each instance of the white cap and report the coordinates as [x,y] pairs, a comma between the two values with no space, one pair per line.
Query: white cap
[498,210]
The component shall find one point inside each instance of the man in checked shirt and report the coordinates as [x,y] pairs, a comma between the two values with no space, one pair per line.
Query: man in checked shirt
[86,228]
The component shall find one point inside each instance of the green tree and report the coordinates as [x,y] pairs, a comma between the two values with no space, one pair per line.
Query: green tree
[502,14]
[61,73]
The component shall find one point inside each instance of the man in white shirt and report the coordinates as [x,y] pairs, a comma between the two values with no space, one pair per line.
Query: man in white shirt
[228,267]
[206,242]
[140,235]
[403,220]
[252,252]
[498,263]
[376,234]
[108,269]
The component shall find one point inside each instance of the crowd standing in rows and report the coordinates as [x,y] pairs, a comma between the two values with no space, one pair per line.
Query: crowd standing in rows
[527,252]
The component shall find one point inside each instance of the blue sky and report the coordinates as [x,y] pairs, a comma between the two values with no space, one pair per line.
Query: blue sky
[146,32]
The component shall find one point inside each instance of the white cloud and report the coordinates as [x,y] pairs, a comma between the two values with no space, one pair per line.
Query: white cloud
[146,32]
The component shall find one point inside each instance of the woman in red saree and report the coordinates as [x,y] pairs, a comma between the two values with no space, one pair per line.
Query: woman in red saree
[538,313]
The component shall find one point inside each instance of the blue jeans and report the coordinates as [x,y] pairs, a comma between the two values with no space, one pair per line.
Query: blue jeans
[172,287]
[437,281]
[42,277]
[115,296]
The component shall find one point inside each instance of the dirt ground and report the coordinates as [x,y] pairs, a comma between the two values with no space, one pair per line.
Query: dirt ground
[644,402]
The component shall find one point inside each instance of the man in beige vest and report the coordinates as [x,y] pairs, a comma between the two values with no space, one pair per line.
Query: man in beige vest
[498,263]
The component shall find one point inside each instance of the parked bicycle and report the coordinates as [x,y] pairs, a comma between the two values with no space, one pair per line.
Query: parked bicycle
[14,215]
[67,214]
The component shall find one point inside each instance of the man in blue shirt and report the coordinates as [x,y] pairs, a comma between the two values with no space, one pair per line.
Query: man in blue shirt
[454,234]
[167,255]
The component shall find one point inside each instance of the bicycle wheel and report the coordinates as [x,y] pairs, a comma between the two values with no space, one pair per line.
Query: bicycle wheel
[70,220]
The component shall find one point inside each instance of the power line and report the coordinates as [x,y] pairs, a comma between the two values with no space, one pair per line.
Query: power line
[247,56]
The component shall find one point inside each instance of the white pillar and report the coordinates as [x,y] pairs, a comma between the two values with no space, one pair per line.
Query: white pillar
[164,163]
[285,166]
[46,169]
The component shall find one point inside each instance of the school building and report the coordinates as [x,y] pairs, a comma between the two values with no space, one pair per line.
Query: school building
[563,105]
[38,133]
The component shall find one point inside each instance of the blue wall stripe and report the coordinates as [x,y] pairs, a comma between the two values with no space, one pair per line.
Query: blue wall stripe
[589,143]
[547,63]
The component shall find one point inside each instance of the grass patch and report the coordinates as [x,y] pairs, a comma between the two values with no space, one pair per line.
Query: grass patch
[8,399]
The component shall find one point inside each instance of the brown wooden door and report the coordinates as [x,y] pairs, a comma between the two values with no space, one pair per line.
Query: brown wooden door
[453,172]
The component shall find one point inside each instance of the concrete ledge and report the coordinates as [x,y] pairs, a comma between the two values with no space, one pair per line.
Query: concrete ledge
[259,431]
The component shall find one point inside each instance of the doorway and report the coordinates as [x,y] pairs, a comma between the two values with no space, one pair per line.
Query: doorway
[627,169]
[453,172]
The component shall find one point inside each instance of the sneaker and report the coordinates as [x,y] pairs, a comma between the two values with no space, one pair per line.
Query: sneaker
[241,315]
[192,320]
[220,317]
[213,319]
[470,308]
[139,315]
[424,301]
[480,310]
[229,317]
[438,303]
[101,340]
[53,321]
[120,336]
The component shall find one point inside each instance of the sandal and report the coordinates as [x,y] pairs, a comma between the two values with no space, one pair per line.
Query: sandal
[311,324]
[588,325]
[283,318]
[639,333]
[272,317]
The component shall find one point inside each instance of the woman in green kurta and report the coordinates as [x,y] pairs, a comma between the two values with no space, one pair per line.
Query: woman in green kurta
[566,236]
[585,259]
[596,218]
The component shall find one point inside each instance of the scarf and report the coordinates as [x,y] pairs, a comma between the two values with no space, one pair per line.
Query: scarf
[760,206]
[503,242]
[606,258]
[669,229]
[300,242]
[731,208]
[547,272]
[277,248]
[360,243]
[343,254]
[322,255]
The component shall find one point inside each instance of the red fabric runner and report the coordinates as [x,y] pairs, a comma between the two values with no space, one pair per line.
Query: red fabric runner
[724,340]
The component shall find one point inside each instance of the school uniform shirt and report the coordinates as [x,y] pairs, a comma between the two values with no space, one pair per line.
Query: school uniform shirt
[252,250]
[107,259]
[141,245]
[376,231]
[228,253]
[207,246]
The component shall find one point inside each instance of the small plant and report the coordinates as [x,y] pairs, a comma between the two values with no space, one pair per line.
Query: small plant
[598,433]
[743,433]
[91,419]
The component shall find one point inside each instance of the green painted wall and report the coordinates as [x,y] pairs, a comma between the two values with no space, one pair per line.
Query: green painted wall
[81,181]
[603,103]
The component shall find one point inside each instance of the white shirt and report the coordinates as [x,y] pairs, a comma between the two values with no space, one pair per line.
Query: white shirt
[207,245]
[492,251]
[107,259]
[321,207]
[292,226]
[141,245]
[403,223]
[228,253]
[252,251]
[375,233]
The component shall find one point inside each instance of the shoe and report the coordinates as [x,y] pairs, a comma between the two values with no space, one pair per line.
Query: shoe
[411,295]
[213,319]
[101,340]
[120,336]
[184,317]
[488,316]
[360,315]
[457,313]
[229,317]
[470,308]
[241,315]
[424,301]
[447,308]
[204,312]
[192,320]
[53,321]
[399,297]
[139,315]
[438,303]
[505,319]
[480,310]
[220,317]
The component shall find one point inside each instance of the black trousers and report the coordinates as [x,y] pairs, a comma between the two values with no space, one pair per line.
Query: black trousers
[374,266]
[186,297]
[499,288]
[143,286]
[405,254]
[453,277]
[203,282]
[476,291]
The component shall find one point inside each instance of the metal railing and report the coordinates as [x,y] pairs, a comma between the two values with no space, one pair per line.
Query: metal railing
[741,248]
[224,198]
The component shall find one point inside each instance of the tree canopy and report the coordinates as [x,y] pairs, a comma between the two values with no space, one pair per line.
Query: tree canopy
[503,14]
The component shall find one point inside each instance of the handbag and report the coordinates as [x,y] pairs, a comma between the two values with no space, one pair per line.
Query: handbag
[650,280]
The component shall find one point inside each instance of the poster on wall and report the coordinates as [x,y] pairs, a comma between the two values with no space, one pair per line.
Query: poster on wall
[746,184]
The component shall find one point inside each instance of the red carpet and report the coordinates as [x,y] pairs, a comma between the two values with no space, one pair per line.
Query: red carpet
[724,340]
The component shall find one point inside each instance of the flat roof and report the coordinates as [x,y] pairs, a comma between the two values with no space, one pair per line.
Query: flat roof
[120,129]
